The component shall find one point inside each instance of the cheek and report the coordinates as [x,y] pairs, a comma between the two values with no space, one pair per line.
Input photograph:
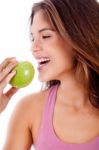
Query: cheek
[64,57]
[64,64]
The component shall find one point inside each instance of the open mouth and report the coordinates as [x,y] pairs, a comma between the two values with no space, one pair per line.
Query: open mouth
[43,61]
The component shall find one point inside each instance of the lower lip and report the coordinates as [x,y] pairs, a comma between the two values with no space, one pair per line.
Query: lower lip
[41,67]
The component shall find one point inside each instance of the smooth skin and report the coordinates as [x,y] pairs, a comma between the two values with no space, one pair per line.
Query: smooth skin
[75,119]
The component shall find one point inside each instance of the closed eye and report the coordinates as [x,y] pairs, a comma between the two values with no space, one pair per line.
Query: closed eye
[45,37]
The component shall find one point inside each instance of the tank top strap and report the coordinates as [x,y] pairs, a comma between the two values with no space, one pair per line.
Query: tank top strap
[49,106]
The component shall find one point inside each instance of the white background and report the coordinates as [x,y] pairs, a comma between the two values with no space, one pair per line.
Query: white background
[14,41]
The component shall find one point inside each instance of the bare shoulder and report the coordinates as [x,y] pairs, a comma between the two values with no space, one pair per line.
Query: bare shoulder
[33,100]
[30,106]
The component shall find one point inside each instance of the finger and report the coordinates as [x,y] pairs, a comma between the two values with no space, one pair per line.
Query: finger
[7,70]
[7,80]
[11,92]
[6,62]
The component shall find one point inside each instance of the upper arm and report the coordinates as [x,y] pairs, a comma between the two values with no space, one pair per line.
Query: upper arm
[24,122]
[19,135]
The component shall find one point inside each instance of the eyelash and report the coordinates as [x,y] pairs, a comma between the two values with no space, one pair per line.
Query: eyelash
[44,37]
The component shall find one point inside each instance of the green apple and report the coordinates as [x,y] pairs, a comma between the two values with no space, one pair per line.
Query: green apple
[24,74]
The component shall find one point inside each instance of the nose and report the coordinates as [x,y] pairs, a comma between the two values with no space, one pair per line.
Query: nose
[36,46]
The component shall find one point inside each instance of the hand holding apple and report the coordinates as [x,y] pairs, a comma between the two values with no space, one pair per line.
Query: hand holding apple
[6,74]
[24,74]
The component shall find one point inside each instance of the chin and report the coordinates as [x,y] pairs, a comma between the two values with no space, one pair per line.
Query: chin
[42,79]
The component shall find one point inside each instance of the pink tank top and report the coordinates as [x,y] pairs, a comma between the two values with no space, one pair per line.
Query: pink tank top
[48,140]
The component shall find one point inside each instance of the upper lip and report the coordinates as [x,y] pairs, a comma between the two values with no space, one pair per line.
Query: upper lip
[40,56]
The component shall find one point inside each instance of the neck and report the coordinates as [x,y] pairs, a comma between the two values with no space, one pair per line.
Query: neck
[72,93]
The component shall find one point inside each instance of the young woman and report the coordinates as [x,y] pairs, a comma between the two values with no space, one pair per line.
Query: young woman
[65,115]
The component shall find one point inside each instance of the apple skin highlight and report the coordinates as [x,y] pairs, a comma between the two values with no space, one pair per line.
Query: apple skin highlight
[24,74]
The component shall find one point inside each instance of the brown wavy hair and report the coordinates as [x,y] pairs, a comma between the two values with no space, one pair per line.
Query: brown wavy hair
[77,21]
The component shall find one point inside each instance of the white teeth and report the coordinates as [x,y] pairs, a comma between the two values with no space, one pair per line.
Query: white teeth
[42,60]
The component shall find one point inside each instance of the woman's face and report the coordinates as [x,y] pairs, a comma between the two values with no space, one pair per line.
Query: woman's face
[53,54]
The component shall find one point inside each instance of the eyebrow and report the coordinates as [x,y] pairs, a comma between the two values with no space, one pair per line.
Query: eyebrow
[45,29]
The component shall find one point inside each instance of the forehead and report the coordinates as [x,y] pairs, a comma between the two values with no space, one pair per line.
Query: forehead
[41,20]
